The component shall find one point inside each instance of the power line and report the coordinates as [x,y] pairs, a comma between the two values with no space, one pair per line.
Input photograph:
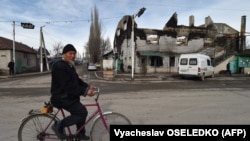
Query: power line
[64,21]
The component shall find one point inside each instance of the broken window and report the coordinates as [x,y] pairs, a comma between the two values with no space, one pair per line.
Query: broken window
[156,61]
[152,39]
[125,25]
[181,41]
[172,61]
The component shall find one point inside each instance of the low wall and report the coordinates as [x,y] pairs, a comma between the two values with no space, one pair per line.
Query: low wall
[246,70]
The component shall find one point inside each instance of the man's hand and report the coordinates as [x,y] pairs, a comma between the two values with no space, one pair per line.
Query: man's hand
[91,91]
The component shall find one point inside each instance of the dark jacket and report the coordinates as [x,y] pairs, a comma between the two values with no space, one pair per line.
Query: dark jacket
[11,65]
[66,86]
[228,66]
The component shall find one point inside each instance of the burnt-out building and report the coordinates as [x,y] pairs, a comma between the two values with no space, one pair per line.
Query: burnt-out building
[158,50]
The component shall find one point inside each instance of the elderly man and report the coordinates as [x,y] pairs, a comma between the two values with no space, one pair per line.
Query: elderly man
[66,89]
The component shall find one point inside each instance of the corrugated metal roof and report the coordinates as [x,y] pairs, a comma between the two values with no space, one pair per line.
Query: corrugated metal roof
[7,44]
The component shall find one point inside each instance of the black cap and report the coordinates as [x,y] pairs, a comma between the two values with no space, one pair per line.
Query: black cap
[68,47]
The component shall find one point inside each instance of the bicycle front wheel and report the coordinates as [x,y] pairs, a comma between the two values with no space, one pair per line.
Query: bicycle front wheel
[37,127]
[99,132]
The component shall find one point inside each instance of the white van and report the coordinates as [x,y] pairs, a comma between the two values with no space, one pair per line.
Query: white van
[195,65]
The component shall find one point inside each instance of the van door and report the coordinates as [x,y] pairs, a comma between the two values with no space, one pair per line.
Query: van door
[210,68]
[193,66]
[183,65]
[188,66]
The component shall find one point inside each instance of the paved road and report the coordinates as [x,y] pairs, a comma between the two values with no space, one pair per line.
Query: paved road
[223,104]
[194,106]
[40,85]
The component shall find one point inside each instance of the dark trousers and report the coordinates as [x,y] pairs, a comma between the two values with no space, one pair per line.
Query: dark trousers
[229,72]
[78,116]
[11,71]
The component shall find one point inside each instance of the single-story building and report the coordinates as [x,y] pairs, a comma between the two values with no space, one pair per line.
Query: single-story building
[25,57]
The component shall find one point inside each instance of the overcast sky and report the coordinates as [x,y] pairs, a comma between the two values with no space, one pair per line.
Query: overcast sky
[68,21]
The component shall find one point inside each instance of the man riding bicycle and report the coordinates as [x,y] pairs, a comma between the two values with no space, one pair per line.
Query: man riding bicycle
[66,89]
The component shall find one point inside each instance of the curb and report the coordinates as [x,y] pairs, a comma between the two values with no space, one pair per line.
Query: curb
[31,74]
[24,74]
[126,77]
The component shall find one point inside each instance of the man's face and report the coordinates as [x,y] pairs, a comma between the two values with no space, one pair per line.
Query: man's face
[69,56]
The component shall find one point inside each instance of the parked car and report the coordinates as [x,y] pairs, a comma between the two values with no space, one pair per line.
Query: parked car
[195,65]
[91,67]
[97,65]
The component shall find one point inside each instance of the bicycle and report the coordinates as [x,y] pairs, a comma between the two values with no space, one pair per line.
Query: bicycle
[37,125]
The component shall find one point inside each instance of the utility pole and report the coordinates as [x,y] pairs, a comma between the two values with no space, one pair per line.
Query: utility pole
[42,49]
[24,25]
[14,48]
[132,49]
[141,11]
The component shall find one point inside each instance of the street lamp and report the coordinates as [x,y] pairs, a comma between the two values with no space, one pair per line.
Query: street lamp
[24,25]
[141,11]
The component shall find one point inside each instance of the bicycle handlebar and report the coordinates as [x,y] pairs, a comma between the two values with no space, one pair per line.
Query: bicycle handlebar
[97,90]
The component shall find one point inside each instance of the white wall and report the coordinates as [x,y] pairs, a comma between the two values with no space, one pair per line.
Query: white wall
[4,58]
[108,64]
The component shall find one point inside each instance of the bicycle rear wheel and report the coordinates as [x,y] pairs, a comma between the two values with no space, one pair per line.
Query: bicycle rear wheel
[98,131]
[37,127]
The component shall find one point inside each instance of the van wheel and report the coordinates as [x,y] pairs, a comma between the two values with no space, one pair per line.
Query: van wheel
[202,77]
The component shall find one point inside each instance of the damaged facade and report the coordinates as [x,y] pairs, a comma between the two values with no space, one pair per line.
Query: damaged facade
[158,50]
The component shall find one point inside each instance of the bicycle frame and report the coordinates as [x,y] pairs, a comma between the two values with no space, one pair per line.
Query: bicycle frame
[98,112]
[94,114]
[99,128]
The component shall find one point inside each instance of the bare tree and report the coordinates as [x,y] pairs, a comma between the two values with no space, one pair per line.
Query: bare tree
[57,49]
[106,46]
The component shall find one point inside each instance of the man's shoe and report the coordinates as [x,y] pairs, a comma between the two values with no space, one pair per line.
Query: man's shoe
[59,131]
[83,137]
